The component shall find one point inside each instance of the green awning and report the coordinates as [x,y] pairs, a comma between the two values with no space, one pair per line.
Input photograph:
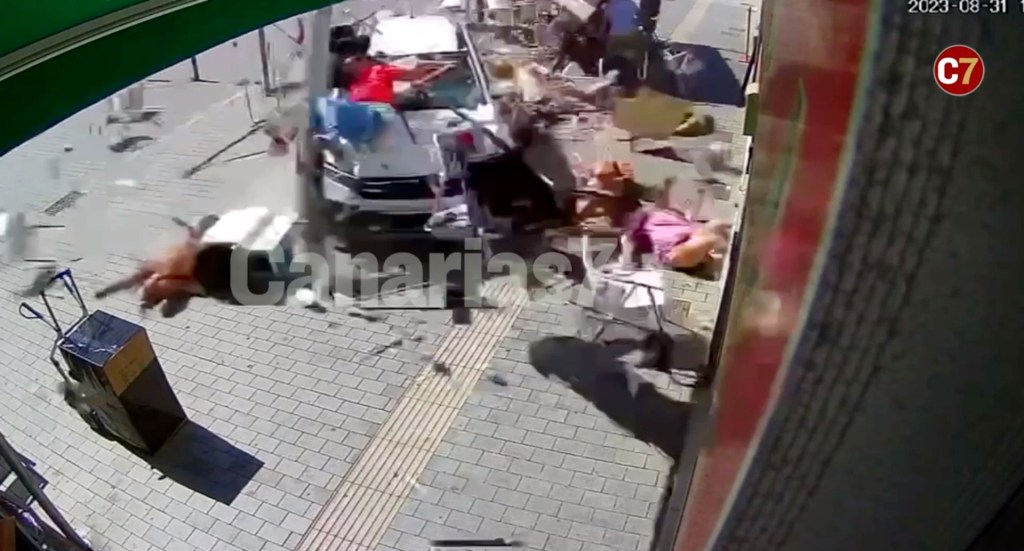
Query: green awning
[55,61]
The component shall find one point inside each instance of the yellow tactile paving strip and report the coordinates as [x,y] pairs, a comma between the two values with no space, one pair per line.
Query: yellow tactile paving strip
[367,501]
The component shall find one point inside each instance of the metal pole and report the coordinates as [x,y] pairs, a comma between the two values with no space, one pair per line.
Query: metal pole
[746,43]
[195,68]
[268,88]
[317,74]
[10,456]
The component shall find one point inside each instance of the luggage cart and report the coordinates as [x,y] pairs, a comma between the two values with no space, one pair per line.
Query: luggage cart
[113,379]
[73,379]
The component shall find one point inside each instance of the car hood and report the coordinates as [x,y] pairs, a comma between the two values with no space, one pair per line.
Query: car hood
[406,148]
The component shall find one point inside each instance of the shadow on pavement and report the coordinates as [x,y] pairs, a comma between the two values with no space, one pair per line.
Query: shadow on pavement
[695,72]
[205,463]
[597,373]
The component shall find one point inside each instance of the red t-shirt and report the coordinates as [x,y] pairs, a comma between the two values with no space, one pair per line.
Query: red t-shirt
[376,84]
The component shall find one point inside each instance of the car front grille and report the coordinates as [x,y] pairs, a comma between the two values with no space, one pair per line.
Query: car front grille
[392,189]
[403,189]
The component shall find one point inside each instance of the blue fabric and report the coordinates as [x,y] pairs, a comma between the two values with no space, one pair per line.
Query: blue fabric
[623,17]
[355,122]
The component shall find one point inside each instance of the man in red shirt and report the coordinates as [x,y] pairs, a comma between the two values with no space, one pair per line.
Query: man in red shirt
[375,81]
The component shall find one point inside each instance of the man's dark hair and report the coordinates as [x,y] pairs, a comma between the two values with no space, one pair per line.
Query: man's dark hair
[341,32]
[350,45]
[344,74]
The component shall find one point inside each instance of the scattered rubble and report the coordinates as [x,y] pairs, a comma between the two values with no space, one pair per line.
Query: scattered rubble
[385,347]
[359,313]
[497,379]
[441,368]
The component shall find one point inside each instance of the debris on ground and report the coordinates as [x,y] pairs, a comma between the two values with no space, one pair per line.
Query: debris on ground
[40,282]
[707,159]
[359,313]
[441,368]
[310,301]
[497,379]
[552,93]
[651,114]
[167,281]
[695,125]
[385,347]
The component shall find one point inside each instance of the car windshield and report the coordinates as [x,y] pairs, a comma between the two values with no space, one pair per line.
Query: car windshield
[458,87]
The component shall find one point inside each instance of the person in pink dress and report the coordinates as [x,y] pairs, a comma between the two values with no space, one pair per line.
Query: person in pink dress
[674,238]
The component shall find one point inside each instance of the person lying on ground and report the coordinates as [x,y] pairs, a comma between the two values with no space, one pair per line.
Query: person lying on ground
[675,239]
[169,280]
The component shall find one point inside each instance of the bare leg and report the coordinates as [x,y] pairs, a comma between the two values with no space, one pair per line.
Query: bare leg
[131,282]
[695,251]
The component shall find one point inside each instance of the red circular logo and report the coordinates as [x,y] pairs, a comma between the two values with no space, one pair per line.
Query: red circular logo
[958,70]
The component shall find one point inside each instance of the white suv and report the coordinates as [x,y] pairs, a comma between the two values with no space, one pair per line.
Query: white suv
[390,186]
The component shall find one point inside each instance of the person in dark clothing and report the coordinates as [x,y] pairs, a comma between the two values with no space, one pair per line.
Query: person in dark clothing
[342,31]
[341,34]
[581,42]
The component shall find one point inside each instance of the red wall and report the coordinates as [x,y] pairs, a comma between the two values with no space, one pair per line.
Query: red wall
[809,77]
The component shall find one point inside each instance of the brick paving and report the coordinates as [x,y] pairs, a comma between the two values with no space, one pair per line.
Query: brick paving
[551,461]
[284,401]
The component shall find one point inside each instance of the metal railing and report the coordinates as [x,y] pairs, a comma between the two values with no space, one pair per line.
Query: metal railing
[11,459]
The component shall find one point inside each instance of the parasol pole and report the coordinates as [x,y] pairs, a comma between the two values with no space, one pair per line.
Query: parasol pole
[315,229]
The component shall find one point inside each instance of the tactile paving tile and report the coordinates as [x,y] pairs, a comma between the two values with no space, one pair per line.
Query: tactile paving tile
[378,484]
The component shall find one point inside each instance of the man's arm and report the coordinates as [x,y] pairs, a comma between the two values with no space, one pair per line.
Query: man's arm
[424,71]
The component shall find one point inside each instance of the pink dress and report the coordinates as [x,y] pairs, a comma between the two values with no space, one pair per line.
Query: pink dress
[659,231]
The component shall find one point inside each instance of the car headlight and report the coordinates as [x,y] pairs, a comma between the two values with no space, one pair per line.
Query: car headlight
[339,186]
[337,176]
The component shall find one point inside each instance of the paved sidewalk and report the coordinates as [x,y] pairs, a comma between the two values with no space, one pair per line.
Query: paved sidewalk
[296,412]
[550,449]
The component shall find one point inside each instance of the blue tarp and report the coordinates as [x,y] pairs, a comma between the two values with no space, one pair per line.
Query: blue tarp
[355,122]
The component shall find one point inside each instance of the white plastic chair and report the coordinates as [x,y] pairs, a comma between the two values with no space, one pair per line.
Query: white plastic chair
[500,12]
[129,106]
[621,291]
